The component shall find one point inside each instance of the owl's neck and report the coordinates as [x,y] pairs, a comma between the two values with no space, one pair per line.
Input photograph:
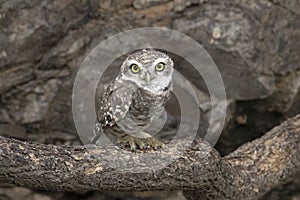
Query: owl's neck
[148,89]
[158,91]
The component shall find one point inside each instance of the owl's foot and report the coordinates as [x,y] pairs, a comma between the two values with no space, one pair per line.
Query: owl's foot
[135,143]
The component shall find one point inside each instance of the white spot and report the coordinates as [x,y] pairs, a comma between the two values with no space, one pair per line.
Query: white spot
[3,54]
[118,110]
[216,33]
[12,37]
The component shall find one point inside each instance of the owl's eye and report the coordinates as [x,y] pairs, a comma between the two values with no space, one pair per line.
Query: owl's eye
[135,68]
[160,67]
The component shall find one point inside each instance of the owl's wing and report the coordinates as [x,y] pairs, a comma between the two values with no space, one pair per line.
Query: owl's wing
[120,101]
[104,115]
[114,104]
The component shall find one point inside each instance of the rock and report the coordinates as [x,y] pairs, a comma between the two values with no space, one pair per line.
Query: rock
[35,101]
[14,77]
[250,69]
[284,96]
[13,130]
[142,4]
[14,193]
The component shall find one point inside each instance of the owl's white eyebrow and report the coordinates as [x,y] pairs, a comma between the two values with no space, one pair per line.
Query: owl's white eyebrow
[134,62]
[164,60]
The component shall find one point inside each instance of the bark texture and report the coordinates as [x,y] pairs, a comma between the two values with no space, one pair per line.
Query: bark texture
[247,173]
[255,45]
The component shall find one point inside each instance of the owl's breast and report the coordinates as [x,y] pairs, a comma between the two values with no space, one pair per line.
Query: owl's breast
[144,109]
[146,106]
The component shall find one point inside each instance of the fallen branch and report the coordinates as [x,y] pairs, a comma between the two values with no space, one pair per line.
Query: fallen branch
[247,173]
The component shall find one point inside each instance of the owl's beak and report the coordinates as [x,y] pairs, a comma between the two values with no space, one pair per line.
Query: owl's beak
[145,76]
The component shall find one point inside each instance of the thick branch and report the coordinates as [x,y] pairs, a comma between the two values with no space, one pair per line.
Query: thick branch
[247,173]
[256,167]
[269,161]
[83,168]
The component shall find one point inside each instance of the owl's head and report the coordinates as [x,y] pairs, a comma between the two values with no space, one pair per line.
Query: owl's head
[149,69]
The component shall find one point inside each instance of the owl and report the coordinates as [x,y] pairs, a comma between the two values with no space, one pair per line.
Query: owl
[135,99]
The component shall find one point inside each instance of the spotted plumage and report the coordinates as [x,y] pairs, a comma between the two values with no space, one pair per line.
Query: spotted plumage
[135,99]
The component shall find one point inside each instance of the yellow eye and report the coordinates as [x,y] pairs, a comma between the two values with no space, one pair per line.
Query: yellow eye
[160,67]
[135,68]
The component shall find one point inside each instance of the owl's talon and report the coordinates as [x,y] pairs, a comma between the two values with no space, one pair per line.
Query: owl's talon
[133,148]
[135,144]
[127,142]
[142,146]
[158,146]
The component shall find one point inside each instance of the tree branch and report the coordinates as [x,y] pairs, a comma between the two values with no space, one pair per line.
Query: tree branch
[258,166]
[269,161]
[247,173]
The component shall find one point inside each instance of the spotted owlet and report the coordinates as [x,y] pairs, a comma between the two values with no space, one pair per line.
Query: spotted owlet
[135,99]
